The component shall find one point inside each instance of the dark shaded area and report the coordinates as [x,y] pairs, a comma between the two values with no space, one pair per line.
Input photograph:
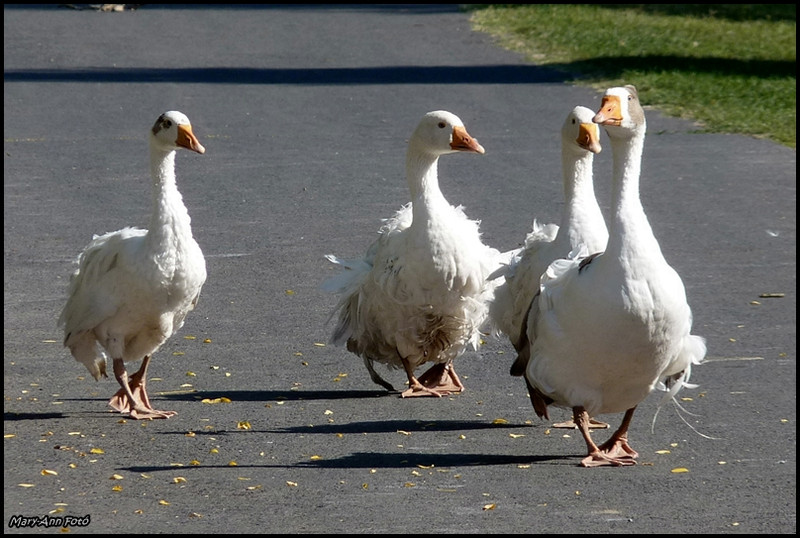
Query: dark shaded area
[277,395]
[732,12]
[378,460]
[11,417]
[486,74]
[378,426]
[368,460]
[614,67]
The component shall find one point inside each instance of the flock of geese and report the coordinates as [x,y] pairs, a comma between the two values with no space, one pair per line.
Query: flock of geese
[597,317]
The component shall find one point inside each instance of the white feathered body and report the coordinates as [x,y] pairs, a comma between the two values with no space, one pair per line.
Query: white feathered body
[606,346]
[607,329]
[420,293]
[133,287]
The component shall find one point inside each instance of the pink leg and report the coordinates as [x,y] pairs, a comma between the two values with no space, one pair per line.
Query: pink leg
[132,397]
[570,424]
[614,452]
[617,446]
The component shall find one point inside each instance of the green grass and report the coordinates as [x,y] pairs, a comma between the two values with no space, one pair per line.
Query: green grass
[730,68]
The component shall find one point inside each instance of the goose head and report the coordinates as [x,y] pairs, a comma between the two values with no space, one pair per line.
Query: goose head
[579,131]
[172,130]
[621,113]
[441,132]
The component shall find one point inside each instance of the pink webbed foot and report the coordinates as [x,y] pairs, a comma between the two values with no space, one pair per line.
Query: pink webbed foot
[616,452]
[132,397]
[442,377]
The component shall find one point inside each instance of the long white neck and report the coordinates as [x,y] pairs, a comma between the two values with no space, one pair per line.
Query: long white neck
[422,173]
[169,221]
[582,218]
[630,232]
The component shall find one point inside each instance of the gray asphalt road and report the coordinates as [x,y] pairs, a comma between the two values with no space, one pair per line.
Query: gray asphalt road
[305,111]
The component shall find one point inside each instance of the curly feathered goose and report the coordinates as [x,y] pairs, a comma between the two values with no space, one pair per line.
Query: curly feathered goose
[419,294]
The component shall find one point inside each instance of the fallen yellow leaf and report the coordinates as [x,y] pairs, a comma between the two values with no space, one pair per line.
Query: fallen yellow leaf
[291,484]
[97,451]
[491,506]
[221,399]
[680,470]
[46,472]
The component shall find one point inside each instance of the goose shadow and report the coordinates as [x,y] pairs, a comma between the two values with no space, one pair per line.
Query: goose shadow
[13,417]
[378,426]
[277,395]
[379,460]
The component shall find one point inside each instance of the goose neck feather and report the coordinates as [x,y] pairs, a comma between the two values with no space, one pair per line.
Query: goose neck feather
[169,233]
[422,174]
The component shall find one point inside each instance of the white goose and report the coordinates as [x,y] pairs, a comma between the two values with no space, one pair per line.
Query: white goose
[419,294]
[605,330]
[581,223]
[133,288]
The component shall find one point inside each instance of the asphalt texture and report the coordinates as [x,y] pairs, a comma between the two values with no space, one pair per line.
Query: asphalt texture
[305,112]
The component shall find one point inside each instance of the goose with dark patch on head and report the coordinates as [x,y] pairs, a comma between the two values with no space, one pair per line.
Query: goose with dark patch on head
[133,288]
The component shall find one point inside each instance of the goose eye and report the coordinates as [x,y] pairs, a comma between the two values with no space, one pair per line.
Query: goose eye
[168,124]
[442,125]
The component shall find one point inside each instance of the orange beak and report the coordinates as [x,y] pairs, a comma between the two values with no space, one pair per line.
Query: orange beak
[463,142]
[589,137]
[186,139]
[610,112]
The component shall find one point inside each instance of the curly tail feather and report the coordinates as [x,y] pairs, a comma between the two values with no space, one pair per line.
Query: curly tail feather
[85,349]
